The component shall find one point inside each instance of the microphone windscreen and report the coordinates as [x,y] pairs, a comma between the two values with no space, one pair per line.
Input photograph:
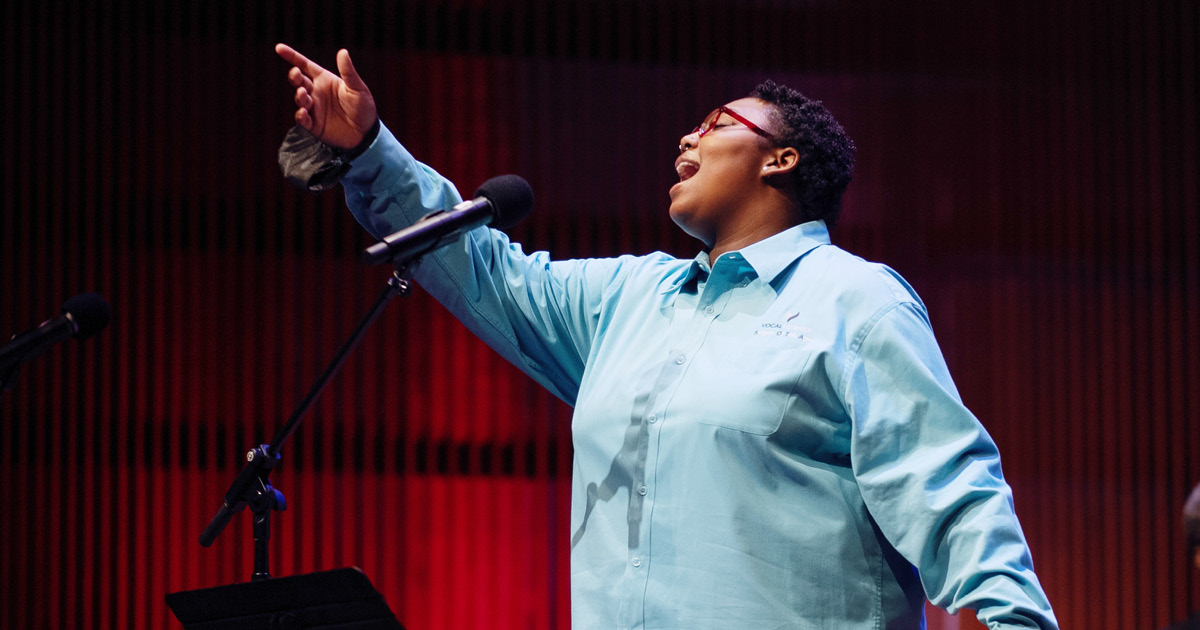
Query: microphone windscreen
[511,197]
[89,312]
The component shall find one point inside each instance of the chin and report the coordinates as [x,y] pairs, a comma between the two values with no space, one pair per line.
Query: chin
[679,216]
[687,223]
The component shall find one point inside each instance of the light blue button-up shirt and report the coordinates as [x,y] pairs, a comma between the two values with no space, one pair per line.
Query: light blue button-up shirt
[770,440]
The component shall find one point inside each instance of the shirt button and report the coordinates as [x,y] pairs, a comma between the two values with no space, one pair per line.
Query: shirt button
[637,562]
[709,309]
[642,490]
[680,359]
[653,418]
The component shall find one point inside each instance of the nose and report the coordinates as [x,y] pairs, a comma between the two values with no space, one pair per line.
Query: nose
[689,141]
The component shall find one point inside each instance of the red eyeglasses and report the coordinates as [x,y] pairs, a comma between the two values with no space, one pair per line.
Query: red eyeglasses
[711,120]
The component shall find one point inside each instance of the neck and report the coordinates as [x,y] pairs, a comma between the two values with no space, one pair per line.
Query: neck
[756,224]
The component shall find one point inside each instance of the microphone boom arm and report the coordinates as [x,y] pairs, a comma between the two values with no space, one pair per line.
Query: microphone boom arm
[252,487]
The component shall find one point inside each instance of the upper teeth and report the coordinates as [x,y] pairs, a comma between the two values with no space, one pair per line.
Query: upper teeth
[686,170]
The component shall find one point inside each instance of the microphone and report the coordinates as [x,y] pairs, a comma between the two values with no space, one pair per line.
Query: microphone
[82,316]
[501,202]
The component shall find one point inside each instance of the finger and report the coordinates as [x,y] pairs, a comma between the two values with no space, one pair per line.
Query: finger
[297,78]
[290,54]
[304,99]
[301,62]
[303,119]
[349,74]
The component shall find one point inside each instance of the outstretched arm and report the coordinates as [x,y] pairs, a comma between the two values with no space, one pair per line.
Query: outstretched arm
[337,110]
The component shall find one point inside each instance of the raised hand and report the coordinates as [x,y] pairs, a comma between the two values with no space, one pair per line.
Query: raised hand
[337,110]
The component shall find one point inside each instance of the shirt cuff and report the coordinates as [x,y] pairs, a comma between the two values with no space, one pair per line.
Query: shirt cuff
[315,166]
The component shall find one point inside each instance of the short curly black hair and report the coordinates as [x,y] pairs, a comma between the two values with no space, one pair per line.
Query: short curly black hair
[826,152]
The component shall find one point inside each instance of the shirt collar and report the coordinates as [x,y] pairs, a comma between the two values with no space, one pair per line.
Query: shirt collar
[698,266]
[772,255]
[768,257]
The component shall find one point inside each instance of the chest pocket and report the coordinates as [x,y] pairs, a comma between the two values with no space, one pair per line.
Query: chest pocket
[747,384]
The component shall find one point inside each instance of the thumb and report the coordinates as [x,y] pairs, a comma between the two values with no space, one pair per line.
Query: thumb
[349,74]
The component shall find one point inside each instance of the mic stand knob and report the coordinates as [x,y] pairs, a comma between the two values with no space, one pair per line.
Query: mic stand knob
[262,500]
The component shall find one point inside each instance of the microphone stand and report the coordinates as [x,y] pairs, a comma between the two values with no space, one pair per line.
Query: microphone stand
[252,487]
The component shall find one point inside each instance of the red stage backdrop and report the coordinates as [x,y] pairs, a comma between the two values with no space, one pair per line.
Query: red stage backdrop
[1030,167]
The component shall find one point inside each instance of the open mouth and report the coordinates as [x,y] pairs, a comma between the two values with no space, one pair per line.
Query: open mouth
[685,168]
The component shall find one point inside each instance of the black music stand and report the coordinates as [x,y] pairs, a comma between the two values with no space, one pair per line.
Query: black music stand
[342,599]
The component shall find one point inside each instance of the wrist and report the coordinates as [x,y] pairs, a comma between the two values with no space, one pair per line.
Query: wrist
[363,145]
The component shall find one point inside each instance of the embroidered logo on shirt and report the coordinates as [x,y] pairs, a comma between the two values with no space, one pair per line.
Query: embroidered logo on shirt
[784,329]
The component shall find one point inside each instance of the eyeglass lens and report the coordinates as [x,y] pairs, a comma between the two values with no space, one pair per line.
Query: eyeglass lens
[709,121]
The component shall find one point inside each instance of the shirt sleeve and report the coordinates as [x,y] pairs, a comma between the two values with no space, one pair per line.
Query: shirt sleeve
[540,315]
[930,476]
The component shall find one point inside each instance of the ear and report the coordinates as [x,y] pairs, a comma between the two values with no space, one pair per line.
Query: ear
[780,161]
